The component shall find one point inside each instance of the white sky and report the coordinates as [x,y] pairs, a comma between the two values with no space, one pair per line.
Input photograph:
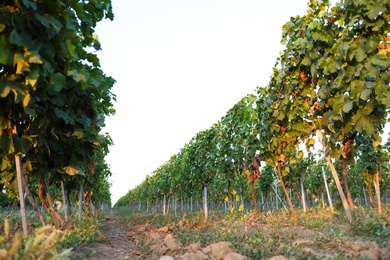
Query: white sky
[180,65]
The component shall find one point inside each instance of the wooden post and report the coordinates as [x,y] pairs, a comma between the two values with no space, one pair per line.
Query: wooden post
[18,164]
[276,196]
[80,201]
[174,203]
[335,177]
[365,196]
[303,197]
[164,205]
[378,191]
[206,214]
[65,201]
[341,192]
[327,190]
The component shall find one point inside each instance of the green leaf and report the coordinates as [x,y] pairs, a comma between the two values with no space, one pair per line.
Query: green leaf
[365,123]
[16,39]
[21,144]
[2,27]
[348,106]
[360,55]
[28,4]
[4,53]
[93,59]
[64,116]
[70,47]
[338,103]
[374,10]
[306,61]
[57,82]
[381,61]
[365,94]
[386,100]
[48,21]
[357,87]
[78,76]
[368,108]
[7,145]
[32,76]
[71,21]
[77,7]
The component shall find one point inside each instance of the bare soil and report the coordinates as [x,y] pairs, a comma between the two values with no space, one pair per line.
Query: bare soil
[116,243]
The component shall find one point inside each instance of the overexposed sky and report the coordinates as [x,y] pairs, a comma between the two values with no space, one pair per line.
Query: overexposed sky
[180,65]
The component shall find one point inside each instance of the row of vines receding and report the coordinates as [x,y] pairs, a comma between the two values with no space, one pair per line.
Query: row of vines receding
[316,126]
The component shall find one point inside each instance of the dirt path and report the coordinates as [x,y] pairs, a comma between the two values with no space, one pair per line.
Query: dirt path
[117,245]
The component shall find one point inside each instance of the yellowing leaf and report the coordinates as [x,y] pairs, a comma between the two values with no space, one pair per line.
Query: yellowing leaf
[233,192]
[311,141]
[237,198]
[78,134]
[26,100]
[72,170]
[293,161]
[247,173]
[34,57]
[299,155]
[27,165]
[241,208]
[22,66]
[226,198]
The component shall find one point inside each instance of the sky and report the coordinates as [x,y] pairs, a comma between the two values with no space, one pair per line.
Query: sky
[179,66]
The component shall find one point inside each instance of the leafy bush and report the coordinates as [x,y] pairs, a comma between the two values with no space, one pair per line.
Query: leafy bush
[83,233]
[368,222]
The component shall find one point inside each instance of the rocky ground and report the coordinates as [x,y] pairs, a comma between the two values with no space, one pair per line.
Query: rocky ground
[140,241]
[132,240]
